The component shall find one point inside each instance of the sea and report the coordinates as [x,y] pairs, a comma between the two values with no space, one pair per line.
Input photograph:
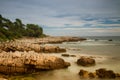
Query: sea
[105,50]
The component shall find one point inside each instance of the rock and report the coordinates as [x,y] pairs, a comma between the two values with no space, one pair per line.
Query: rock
[86,61]
[103,73]
[68,55]
[62,50]
[53,49]
[73,55]
[110,40]
[84,73]
[3,79]
[24,62]
[22,46]
[117,75]
[92,75]
[54,40]
[65,55]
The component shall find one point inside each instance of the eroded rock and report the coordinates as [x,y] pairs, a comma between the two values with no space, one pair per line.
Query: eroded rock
[84,61]
[23,62]
[101,73]
[22,46]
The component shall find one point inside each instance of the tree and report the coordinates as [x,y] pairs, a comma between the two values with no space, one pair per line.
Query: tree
[10,30]
[34,30]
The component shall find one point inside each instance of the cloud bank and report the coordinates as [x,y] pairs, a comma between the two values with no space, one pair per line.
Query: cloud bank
[67,17]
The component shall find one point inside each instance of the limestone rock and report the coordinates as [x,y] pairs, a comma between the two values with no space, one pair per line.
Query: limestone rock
[22,46]
[86,61]
[23,62]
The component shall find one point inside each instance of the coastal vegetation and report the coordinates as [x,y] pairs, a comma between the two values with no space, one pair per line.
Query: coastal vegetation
[12,30]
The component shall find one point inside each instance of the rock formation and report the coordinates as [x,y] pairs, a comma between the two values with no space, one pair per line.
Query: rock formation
[23,62]
[84,61]
[103,73]
[51,40]
[54,40]
[100,73]
[22,46]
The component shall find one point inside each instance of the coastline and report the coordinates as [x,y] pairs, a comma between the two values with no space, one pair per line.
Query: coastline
[58,40]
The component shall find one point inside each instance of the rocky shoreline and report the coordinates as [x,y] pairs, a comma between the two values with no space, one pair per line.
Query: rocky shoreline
[28,55]
[25,62]
[23,46]
[51,40]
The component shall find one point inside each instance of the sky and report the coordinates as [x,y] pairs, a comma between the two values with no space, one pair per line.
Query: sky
[67,17]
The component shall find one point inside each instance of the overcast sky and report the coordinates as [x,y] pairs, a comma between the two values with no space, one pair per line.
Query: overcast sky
[67,17]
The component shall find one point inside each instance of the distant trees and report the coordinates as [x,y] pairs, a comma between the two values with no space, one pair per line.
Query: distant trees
[34,30]
[10,30]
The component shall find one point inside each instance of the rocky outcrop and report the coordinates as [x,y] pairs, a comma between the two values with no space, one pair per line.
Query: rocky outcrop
[67,55]
[86,74]
[84,61]
[23,62]
[22,46]
[52,40]
[103,73]
[100,73]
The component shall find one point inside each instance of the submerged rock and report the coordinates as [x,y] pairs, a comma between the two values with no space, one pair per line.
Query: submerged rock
[86,74]
[65,55]
[110,40]
[73,55]
[24,62]
[68,55]
[86,61]
[101,73]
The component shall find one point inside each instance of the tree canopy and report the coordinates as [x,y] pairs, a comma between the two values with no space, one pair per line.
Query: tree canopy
[11,30]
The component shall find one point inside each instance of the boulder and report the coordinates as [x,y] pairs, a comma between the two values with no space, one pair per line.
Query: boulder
[103,73]
[117,75]
[86,61]
[84,73]
[92,75]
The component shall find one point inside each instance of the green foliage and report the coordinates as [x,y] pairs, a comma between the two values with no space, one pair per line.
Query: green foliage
[11,30]
[34,30]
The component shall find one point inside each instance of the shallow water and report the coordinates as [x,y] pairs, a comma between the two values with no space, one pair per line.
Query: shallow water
[106,53]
